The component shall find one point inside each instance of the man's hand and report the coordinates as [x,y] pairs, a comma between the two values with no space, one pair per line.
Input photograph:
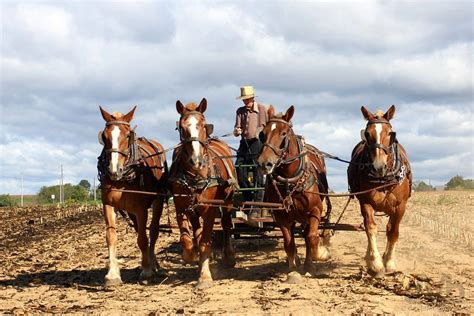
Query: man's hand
[237,131]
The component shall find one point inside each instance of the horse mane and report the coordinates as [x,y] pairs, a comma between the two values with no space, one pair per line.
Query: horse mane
[191,106]
[279,115]
[379,114]
[117,115]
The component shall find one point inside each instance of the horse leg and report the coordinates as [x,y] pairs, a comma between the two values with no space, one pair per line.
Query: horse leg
[142,240]
[113,276]
[205,249]
[189,254]
[393,226]
[229,251]
[372,257]
[290,248]
[157,207]
[197,230]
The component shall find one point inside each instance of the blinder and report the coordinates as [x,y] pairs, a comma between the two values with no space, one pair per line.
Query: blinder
[209,129]
[101,138]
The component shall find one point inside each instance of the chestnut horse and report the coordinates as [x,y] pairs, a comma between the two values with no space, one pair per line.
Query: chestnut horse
[202,169]
[379,160]
[130,163]
[296,174]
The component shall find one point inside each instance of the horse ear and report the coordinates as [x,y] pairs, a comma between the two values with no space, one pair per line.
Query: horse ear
[129,116]
[107,117]
[368,116]
[179,107]
[270,112]
[390,113]
[202,106]
[289,113]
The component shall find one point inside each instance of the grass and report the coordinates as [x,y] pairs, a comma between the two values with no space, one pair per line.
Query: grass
[448,214]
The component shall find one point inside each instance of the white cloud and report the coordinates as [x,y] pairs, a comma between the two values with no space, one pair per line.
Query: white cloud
[59,61]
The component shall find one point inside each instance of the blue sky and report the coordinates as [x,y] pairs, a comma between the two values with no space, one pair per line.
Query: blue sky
[60,60]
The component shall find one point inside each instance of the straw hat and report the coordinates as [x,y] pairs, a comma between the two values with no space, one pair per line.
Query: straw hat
[246,92]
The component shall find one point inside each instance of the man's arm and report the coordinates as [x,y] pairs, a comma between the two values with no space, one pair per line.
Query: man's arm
[238,124]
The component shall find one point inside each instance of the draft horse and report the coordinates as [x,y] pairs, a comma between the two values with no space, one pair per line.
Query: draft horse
[380,165]
[202,169]
[296,174]
[130,163]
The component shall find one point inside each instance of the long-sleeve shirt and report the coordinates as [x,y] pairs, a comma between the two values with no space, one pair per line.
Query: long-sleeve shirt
[251,121]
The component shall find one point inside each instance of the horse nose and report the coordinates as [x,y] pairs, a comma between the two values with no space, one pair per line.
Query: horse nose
[116,175]
[381,169]
[269,167]
[197,162]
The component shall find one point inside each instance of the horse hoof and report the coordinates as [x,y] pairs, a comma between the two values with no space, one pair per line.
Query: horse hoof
[203,284]
[145,282]
[189,257]
[113,282]
[294,278]
[323,254]
[228,262]
[376,274]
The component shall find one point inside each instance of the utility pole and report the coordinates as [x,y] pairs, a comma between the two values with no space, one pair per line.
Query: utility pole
[61,187]
[60,190]
[22,190]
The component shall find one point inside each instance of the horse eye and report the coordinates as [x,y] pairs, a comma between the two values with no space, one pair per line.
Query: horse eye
[283,134]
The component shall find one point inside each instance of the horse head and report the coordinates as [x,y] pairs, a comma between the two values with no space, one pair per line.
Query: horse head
[192,131]
[277,132]
[379,138]
[116,139]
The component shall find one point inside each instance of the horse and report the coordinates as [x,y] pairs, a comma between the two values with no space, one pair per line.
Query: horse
[296,175]
[380,166]
[130,163]
[202,169]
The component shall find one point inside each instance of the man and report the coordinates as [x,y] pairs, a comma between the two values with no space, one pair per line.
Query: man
[249,123]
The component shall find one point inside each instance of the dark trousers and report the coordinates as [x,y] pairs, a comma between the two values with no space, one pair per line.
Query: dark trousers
[248,153]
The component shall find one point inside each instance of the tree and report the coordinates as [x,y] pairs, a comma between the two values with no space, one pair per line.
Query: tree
[7,200]
[85,184]
[459,183]
[72,193]
[423,187]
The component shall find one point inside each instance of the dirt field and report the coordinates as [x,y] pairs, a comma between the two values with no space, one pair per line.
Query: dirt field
[54,261]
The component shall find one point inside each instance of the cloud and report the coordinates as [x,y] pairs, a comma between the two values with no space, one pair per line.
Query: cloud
[59,61]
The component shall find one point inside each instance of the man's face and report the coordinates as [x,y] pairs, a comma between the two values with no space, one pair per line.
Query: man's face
[248,103]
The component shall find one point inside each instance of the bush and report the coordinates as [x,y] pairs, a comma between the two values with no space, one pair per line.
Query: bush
[7,200]
[459,183]
[423,187]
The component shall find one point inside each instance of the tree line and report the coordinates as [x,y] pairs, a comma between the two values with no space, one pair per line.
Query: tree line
[80,192]
[455,183]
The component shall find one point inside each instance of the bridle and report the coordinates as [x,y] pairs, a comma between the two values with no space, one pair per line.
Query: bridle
[285,149]
[130,135]
[185,140]
[397,165]
[388,150]
[279,152]
[190,139]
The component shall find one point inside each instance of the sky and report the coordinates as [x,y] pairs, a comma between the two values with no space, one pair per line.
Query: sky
[60,60]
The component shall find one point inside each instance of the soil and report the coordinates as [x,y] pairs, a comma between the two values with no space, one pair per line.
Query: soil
[53,260]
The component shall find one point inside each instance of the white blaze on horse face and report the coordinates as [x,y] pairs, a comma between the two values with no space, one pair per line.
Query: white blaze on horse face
[115,144]
[273,126]
[378,129]
[194,132]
